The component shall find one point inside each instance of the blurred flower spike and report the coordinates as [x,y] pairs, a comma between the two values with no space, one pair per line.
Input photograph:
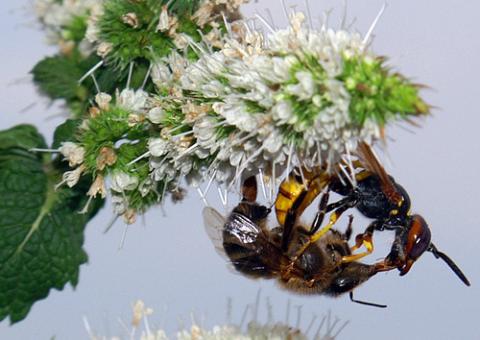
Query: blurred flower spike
[325,329]
[208,98]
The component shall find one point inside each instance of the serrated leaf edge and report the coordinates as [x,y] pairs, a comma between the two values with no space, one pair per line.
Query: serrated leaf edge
[50,200]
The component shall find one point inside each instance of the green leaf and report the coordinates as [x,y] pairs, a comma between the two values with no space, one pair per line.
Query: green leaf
[66,132]
[58,77]
[21,136]
[41,231]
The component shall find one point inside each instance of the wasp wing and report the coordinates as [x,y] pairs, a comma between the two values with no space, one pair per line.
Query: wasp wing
[371,163]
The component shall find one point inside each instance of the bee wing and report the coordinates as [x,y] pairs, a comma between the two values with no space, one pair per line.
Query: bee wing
[371,163]
[241,232]
[214,223]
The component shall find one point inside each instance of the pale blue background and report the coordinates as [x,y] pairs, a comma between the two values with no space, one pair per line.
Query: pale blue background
[170,263]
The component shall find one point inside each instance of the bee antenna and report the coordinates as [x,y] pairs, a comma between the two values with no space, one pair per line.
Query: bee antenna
[438,254]
[365,302]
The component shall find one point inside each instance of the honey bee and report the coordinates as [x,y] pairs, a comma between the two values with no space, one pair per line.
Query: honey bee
[375,195]
[325,266]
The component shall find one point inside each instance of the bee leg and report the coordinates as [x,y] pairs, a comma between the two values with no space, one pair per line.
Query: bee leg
[365,302]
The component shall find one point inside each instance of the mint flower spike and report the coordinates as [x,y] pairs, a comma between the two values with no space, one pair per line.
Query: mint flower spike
[327,328]
[239,103]
[115,133]
[294,97]
[65,22]
[137,31]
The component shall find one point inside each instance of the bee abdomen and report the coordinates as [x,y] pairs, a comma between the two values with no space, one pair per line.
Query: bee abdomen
[304,287]
[247,261]
[248,248]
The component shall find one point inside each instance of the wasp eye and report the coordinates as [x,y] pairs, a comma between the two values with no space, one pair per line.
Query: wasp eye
[419,237]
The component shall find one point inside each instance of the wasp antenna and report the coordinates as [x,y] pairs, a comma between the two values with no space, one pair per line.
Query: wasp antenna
[365,302]
[438,254]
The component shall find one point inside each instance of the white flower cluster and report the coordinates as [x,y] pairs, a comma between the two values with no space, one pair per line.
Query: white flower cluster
[278,331]
[255,330]
[56,16]
[277,98]
[247,103]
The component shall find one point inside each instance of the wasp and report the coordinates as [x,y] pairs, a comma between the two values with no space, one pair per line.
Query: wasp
[376,195]
[325,266]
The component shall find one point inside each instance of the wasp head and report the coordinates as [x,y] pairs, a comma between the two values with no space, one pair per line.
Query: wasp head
[412,242]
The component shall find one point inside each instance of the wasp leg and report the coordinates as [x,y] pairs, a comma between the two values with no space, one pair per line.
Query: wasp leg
[290,220]
[316,185]
[365,302]
[315,237]
[313,182]
[288,191]
[347,201]
[320,215]
[364,239]
[348,232]
[334,216]
[383,266]
[303,200]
